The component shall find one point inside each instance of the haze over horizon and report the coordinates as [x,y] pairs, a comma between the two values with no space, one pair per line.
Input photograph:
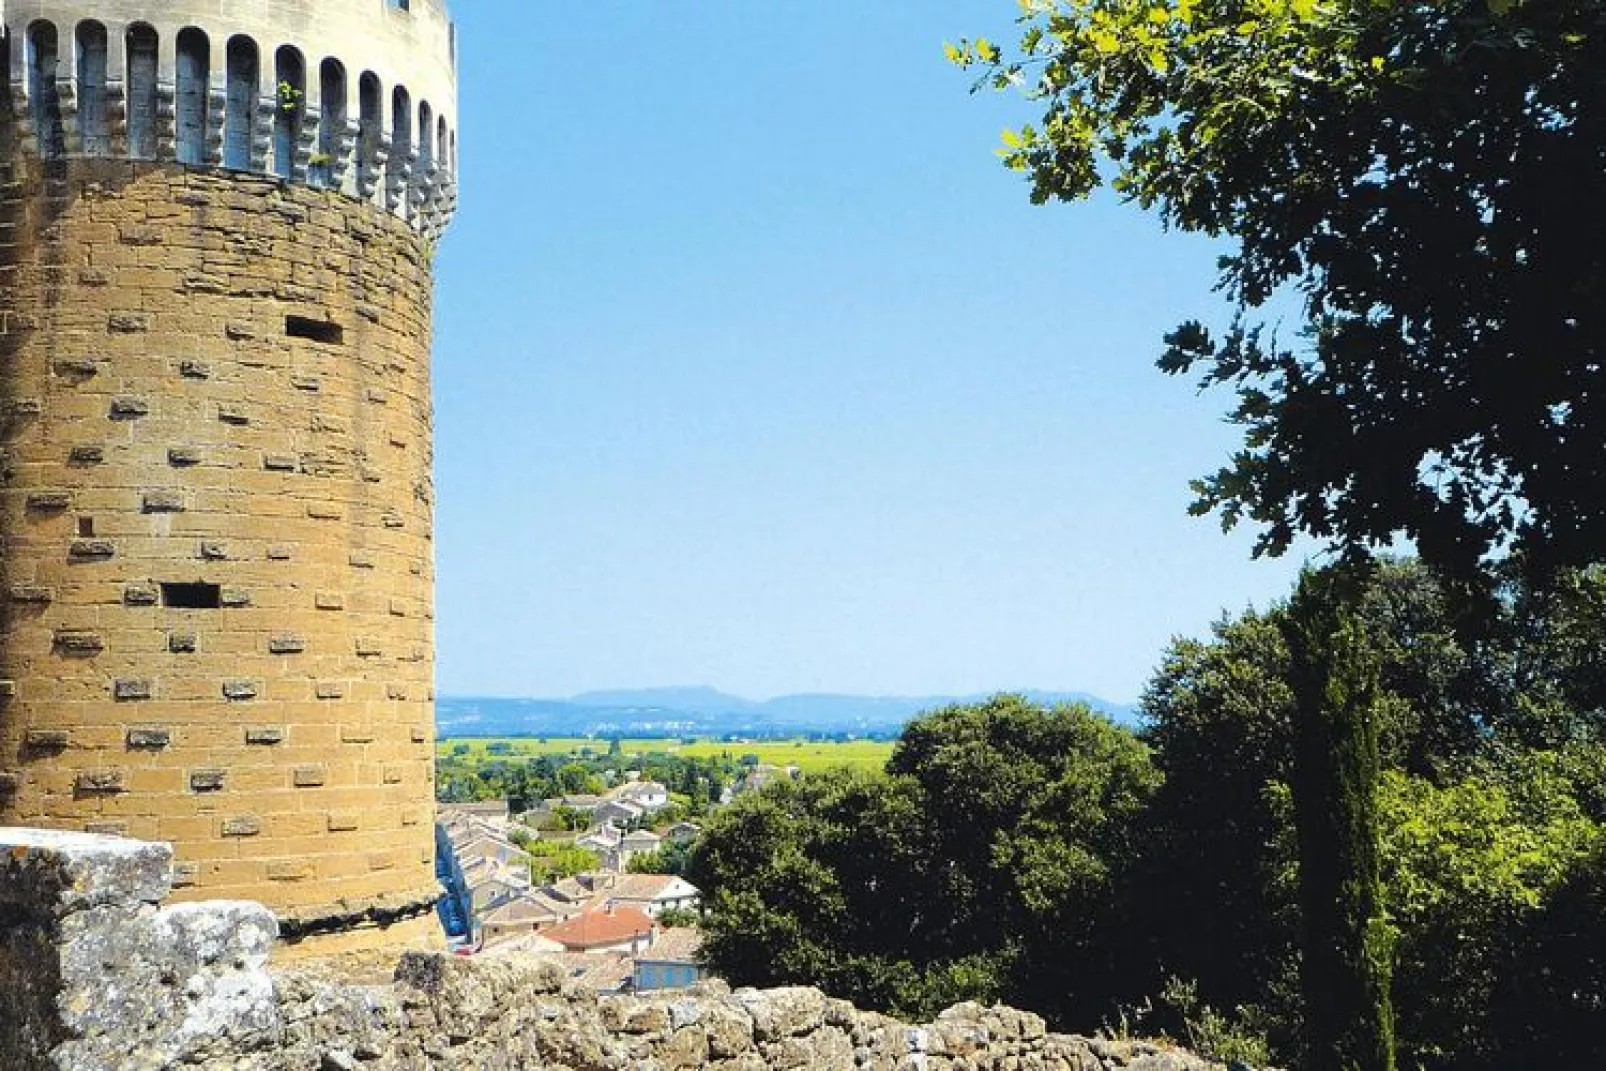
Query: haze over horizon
[754,367]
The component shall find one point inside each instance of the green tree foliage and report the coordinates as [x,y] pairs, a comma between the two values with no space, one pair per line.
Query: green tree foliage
[1427,178]
[1347,941]
[670,859]
[552,860]
[1488,812]
[978,867]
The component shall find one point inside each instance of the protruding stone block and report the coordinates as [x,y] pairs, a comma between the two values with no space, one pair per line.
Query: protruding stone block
[162,502]
[213,550]
[101,782]
[75,642]
[311,777]
[207,780]
[183,457]
[132,689]
[239,691]
[330,690]
[128,408]
[86,454]
[46,740]
[264,736]
[49,501]
[31,595]
[148,739]
[286,644]
[91,550]
[234,598]
[182,642]
[243,825]
[141,595]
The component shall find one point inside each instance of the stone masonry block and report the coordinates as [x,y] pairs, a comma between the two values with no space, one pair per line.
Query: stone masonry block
[264,736]
[129,408]
[213,550]
[132,689]
[207,780]
[128,323]
[107,828]
[148,739]
[244,825]
[49,501]
[234,598]
[91,550]
[233,414]
[100,782]
[31,595]
[47,740]
[289,870]
[182,642]
[328,600]
[287,643]
[281,552]
[183,456]
[195,370]
[73,642]
[368,647]
[344,822]
[141,595]
[239,691]
[356,734]
[330,690]
[162,502]
[311,777]
[86,454]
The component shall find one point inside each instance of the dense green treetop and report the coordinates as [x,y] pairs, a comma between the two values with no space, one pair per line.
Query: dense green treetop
[1430,178]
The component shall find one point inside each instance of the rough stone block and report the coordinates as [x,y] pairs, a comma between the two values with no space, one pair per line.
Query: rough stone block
[311,777]
[89,550]
[286,644]
[149,739]
[239,331]
[74,642]
[107,828]
[162,502]
[207,780]
[289,870]
[55,874]
[183,456]
[361,559]
[213,550]
[233,414]
[128,323]
[132,690]
[325,511]
[369,647]
[281,552]
[10,783]
[244,825]
[356,734]
[78,368]
[100,782]
[186,875]
[239,691]
[141,595]
[31,595]
[86,454]
[279,463]
[325,600]
[331,690]
[45,740]
[195,370]
[182,642]
[129,408]
[264,736]
[49,501]
[234,598]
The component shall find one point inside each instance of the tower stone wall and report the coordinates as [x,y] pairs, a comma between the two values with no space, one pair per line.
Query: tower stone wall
[216,615]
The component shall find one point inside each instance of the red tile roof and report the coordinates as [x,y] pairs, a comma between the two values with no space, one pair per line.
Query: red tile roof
[596,928]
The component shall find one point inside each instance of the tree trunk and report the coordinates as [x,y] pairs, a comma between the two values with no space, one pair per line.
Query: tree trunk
[1346,941]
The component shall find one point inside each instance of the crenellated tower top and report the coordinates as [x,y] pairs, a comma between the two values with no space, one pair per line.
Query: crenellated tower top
[354,95]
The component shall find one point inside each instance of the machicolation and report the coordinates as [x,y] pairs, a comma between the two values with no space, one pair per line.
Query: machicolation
[216,608]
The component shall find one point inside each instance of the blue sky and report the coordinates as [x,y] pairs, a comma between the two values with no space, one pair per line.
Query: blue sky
[754,368]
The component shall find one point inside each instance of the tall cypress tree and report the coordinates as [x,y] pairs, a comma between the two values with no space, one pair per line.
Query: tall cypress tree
[1345,970]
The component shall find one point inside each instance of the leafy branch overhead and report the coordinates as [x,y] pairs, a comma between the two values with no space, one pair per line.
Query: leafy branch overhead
[1427,181]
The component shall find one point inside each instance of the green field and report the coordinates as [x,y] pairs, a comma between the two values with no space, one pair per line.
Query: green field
[807,754]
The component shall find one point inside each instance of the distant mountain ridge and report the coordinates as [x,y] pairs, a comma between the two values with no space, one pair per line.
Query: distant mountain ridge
[705,711]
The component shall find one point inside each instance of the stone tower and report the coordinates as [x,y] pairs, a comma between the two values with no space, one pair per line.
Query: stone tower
[216,628]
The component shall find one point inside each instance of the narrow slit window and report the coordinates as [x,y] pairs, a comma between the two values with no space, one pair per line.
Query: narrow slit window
[141,44]
[240,103]
[86,527]
[192,596]
[92,124]
[314,330]
[190,96]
